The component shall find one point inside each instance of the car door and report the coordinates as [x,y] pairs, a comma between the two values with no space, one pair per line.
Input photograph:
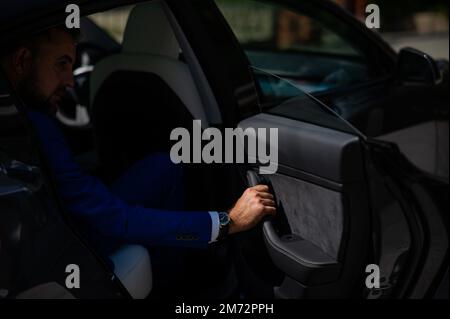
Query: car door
[41,256]
[342,210]
[320,241]
[327,52]
[346,203]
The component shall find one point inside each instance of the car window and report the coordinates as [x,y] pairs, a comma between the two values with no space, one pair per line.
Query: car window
[300,106]
[113,21]
[295,45]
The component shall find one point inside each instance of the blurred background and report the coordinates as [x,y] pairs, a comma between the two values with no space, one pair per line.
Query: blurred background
[422,24]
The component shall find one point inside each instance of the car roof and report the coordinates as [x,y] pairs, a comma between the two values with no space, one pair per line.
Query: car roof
[23,17]
[10,10]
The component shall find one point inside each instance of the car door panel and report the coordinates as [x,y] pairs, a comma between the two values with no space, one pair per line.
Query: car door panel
[321,152]
[344,203]
[321,196]
[305,260]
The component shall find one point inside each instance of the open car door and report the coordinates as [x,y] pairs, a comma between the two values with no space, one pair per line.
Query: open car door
[347,204]
[355,219]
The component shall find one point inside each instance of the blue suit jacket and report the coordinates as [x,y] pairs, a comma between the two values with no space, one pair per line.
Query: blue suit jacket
[93,204]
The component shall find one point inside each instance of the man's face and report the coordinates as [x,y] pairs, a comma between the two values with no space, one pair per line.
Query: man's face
[47,72]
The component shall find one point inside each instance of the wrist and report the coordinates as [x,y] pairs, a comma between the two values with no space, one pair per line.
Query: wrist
[224,228]
[233,228]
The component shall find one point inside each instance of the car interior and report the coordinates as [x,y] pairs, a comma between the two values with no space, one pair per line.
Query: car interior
[134,93]
[131,93]
[152,66]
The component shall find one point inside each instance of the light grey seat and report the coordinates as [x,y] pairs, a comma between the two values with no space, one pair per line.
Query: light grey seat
[132,266]
[150,45]
[142,93]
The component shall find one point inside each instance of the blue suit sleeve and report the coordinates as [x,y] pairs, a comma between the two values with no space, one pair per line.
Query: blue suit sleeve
[87,198]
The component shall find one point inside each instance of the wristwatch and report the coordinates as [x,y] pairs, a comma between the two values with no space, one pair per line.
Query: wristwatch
[224,220]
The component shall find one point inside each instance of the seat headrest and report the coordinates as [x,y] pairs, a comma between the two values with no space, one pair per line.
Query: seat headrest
[148,31]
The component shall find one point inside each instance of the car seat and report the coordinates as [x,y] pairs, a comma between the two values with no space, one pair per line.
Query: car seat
[140,94]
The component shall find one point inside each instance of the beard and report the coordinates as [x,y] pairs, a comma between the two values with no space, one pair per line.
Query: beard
[32,96]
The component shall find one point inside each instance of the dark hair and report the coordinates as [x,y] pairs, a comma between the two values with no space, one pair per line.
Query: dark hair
[74,32]
[35,40]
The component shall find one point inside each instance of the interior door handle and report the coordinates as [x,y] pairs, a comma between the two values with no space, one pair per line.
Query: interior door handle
[295,256]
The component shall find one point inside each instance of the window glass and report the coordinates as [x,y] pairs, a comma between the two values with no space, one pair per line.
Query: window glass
[295,46]
[300,106]
[113,21]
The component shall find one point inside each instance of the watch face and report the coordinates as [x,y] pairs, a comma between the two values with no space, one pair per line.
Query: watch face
[224,218]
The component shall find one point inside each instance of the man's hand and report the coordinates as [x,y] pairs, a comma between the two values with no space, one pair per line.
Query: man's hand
[254,204]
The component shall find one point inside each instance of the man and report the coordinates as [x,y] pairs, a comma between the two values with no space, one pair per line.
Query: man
[144,206]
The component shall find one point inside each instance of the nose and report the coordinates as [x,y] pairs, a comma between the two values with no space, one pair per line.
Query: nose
[68,80]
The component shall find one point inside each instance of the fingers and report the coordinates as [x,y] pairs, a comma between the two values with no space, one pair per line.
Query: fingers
[268,210]
[262,191]
[261,188]
[267,202]
[265,195]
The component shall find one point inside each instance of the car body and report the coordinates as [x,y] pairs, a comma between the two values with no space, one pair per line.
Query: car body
[347,197]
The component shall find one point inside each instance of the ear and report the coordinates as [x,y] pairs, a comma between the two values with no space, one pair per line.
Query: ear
[21,60]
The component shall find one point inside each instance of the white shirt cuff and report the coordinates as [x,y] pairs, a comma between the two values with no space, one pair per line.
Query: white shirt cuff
[215,226]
